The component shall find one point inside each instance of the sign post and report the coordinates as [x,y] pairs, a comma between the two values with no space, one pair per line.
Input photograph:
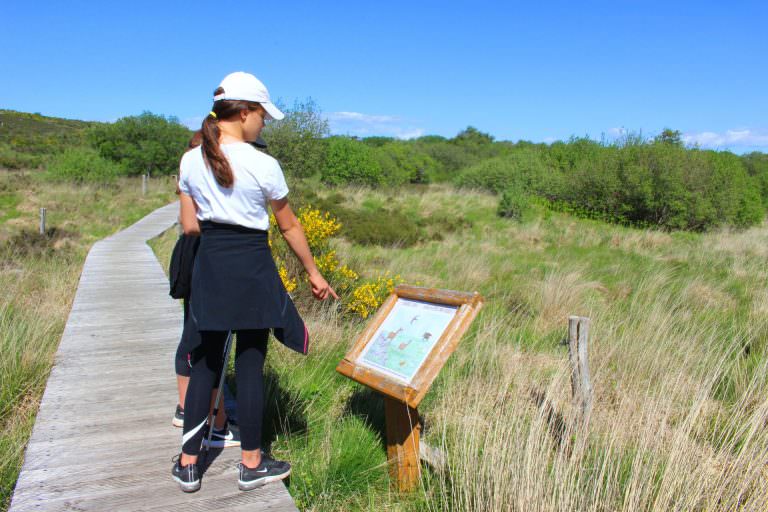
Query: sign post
[400,353]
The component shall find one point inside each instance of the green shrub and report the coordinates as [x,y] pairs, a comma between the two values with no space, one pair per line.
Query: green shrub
[756,165]
[147,143]
[27,141]
[523,169]
[380,227]
[471,137]
[449,158]
[349,161]
[372,224]
[11,159]
[402,162]
[378,141]
[513,204]
[82,165]
[297,140]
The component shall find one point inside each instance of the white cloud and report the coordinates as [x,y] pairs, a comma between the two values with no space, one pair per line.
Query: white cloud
[362,118]
[744,138]
[617,132]
[367,125]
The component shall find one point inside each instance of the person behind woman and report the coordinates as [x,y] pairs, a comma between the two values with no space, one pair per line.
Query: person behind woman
[226,188]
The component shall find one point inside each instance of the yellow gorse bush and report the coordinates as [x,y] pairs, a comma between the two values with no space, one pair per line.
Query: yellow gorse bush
[327,262]
[318,226]
[367,297]
[358,296]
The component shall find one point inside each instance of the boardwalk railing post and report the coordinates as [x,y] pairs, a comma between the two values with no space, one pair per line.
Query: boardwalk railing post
[144,184]
[42,221]
[578,355]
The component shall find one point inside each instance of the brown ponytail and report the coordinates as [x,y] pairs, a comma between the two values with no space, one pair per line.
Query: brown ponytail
[212,154]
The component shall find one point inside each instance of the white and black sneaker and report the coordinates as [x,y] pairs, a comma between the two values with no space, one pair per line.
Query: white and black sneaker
[269,470]
[188,477]
[178,417]
[223,438]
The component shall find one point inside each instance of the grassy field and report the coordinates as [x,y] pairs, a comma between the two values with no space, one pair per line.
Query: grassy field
[678,354]
[38,279]
[679,340]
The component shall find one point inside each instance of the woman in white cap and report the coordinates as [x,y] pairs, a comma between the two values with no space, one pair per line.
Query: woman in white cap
[227,187]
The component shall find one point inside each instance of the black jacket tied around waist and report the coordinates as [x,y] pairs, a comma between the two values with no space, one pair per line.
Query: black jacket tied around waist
[236,286]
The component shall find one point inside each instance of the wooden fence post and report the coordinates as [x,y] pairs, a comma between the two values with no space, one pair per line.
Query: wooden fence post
[42,220]
[578,354]
[143,184]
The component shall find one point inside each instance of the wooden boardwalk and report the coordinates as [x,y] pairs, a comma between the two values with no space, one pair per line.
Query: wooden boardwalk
[103,438]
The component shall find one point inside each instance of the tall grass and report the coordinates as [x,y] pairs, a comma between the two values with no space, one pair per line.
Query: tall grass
[678,355]
[32,315]
[661,436]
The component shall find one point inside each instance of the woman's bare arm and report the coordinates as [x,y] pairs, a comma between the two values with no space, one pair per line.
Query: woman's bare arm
[189,223]
[294,235]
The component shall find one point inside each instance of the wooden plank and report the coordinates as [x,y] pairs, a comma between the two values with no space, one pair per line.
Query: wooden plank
[448,297]
[103,438]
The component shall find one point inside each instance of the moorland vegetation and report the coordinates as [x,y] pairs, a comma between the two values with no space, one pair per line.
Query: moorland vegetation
[645,182]
[662,246]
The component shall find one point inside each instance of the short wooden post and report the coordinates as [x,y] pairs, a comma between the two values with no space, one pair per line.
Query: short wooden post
[144,184]
[42,220]
[403,429]
[578,354]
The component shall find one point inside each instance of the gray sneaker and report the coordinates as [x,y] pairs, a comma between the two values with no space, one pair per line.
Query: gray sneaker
[269,470]
[178,417]
[188,477]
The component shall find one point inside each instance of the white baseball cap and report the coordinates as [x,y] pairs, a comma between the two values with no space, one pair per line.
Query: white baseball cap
[244,86]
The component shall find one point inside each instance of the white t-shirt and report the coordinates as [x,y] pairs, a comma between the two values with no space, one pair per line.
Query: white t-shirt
[258,180]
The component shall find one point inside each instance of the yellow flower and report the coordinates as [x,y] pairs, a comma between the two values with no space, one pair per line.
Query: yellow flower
[318,226]
[327,262]
[348,273]
[290,284]
[368,297]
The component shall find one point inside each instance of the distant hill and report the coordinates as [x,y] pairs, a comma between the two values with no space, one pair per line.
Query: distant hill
[27,140]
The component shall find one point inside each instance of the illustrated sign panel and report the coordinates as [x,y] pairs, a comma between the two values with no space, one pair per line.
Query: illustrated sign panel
[403,341]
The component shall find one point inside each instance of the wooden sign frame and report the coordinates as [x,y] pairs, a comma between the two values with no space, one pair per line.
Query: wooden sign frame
[467,304]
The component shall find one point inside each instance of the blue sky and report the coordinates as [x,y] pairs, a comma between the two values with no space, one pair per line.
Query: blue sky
[518,71]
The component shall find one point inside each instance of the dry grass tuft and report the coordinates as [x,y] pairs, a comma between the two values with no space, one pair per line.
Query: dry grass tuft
[558,295]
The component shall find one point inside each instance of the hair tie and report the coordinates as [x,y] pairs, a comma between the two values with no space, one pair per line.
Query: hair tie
[213,114]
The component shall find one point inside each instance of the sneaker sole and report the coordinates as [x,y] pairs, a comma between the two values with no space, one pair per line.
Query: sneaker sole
[260,482]
[187,486]
[178,422]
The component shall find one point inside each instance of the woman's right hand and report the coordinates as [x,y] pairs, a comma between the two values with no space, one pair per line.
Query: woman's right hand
[320,287]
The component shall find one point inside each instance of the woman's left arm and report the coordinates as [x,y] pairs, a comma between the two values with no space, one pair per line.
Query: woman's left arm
[294,234]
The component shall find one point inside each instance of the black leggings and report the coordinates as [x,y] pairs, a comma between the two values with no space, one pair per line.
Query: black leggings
[207,359]
[190,338]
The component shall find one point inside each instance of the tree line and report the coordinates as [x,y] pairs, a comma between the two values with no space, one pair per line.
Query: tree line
[634,180]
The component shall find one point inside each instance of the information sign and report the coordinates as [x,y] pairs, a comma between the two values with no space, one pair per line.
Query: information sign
[399,354]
